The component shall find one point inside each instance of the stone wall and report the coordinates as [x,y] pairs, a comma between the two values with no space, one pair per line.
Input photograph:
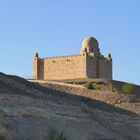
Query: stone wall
[101,68]
[91,66]
[72,67]
[41,69]
[105,68]
[35,69]
[38,69]
[65,67]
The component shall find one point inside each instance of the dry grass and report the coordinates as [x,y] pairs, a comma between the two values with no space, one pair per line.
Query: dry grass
[31,114]
[3,134]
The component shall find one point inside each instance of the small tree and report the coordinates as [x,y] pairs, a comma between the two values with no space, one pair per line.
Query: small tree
[128,88]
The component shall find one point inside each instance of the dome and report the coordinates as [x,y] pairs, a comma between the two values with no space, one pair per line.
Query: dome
[90,45]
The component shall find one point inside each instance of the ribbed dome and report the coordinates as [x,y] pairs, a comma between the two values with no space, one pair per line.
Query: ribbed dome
[90,45]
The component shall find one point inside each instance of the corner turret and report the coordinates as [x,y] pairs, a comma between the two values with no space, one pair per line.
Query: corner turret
[36,65]
[36,54]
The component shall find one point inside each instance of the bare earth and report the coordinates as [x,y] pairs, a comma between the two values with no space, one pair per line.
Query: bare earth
[29,111]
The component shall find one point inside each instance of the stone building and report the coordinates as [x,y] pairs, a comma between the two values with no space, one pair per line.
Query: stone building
[90,63]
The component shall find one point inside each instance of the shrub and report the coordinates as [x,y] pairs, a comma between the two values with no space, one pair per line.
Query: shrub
[128,88]
[98,87]
[114,89]
[89,85]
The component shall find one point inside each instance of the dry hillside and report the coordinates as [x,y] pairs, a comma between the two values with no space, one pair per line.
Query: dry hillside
[107,91]
[30,111]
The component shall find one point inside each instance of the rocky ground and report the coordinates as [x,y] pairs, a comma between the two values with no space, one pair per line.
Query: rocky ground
[29,111]
[130,102]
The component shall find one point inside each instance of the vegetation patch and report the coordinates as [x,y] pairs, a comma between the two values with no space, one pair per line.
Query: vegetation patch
[114,89]
[98,87]
[89,85]
[128,88]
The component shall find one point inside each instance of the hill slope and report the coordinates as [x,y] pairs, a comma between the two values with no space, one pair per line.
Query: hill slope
[110,92]
[29,111]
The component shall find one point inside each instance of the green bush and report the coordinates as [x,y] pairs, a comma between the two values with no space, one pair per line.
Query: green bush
[128,88]
[89,85]
[98,87]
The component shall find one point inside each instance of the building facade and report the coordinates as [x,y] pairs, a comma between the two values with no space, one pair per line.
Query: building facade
[90,63]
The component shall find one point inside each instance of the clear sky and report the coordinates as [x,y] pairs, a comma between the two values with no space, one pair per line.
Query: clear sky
[53,27]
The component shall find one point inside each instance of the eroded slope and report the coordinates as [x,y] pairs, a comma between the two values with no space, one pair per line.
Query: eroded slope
[31,112]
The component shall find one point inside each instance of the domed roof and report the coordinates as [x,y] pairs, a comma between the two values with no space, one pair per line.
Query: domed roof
[90,44]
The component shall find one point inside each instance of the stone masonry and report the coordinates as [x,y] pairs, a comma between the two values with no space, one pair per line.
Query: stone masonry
[88,64]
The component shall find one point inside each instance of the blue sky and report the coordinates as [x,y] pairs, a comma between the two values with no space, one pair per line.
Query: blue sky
[53,28]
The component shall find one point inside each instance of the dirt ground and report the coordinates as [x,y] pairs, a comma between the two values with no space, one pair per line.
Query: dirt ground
[29,111]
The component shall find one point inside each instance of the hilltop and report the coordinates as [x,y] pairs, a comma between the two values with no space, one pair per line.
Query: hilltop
[34,111]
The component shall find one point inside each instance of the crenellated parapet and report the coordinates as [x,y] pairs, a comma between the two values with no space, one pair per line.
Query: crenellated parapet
[65,56]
